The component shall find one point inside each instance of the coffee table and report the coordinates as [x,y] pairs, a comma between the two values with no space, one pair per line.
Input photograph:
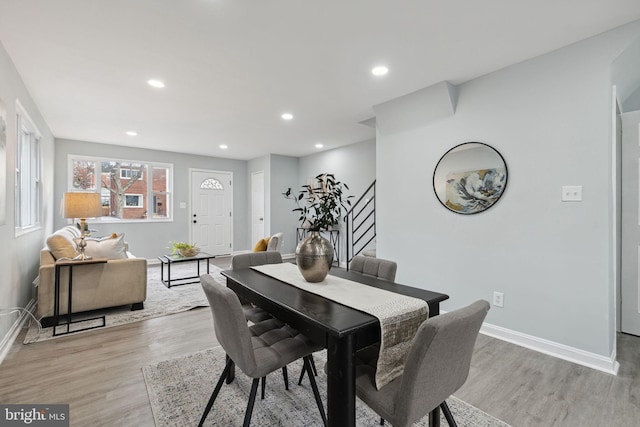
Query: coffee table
[168,260]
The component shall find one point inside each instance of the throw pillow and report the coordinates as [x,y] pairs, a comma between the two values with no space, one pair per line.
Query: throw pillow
[107,247]
[61,247]
[261,246]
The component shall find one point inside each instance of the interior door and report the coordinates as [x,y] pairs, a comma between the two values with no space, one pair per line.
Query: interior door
[257,206]
[211,214]
[630,253]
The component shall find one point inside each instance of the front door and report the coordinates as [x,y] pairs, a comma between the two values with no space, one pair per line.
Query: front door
[630,253]
[211,214]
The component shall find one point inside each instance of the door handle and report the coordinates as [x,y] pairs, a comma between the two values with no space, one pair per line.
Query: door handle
[194,215]
[261,219]
[194,221]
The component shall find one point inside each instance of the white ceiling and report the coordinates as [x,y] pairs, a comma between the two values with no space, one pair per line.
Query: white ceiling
[231,67]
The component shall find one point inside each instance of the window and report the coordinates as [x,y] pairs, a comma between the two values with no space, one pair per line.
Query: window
[130,173]
[211,184]
[129,190]
[28,190]
[133,201]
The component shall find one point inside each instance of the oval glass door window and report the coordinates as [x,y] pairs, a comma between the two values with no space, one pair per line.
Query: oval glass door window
[470,178]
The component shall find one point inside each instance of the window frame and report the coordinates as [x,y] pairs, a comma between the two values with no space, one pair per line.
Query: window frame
[149,189]
[28,178]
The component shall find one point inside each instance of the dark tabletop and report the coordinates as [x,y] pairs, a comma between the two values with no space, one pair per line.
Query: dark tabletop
[281,299]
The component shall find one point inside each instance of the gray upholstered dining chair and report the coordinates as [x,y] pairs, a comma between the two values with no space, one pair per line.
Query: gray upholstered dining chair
[257,350]
[252,313]
[374,267]
[256,314]
[437,364]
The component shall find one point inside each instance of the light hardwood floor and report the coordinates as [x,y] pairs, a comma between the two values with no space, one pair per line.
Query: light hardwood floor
[99,374]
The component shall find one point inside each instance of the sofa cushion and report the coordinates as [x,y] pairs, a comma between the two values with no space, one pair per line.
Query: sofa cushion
[61,245]
[106,247]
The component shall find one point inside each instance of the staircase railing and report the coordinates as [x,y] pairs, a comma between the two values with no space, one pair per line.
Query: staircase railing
[361,223]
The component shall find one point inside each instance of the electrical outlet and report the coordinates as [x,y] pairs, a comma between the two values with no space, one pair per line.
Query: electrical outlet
[498,299]
[572,193]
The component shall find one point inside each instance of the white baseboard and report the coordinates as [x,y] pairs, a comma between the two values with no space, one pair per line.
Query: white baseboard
[10,337]
[561,351]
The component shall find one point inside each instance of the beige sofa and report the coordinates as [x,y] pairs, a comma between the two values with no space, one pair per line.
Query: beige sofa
[122,280]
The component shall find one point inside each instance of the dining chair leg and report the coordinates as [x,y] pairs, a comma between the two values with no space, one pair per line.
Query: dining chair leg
[285,376]
[252,400]
[313,365]
[216,390]
[448,415]
[314,387]
[304,369]
[313,369]
[263,380]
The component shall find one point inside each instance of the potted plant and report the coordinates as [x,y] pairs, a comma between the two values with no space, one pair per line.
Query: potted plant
[324,201]
[184,249]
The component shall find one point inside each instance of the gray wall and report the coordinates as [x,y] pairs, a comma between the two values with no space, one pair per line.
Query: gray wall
[20,256]
[148,240]
[625,75]
[551,118]
[353,164]
[284,175]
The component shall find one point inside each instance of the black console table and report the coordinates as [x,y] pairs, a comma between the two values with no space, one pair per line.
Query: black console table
[56,304]
[332,235]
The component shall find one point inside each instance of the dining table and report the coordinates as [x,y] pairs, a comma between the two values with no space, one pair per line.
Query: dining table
[340,329]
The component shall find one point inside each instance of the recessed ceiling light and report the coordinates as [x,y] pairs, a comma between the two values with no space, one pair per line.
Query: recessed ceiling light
[155,83]
[132,133]
[379,70]
[224,146]
[318,145]
[287,116]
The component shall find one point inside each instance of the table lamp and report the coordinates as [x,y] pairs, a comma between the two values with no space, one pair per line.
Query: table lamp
[82,206]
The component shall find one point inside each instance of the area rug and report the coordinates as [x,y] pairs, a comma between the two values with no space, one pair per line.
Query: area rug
[180,388]
[161,301]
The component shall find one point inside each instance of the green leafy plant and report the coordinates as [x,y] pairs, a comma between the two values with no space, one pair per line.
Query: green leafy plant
[322,202]
[182,247]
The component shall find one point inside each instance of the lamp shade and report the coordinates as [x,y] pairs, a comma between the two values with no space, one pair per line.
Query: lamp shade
[82,205]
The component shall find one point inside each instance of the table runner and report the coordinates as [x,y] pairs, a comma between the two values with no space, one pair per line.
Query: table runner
[400,316]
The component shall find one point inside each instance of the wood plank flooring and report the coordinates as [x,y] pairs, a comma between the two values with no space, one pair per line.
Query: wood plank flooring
[99,374]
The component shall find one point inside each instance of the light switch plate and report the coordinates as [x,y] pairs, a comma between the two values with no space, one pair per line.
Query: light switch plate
[183,205]
[572,193]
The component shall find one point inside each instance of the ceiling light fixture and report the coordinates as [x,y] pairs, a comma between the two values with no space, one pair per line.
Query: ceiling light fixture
[287,116]
[224,146]
[379,70]
[155,83]
[131,133]
[318,145]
